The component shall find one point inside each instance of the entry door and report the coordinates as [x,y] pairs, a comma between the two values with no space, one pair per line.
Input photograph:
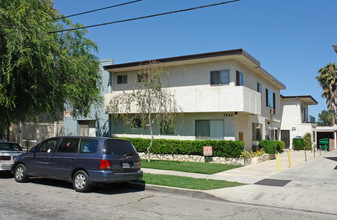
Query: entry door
[83,128]
[285,137]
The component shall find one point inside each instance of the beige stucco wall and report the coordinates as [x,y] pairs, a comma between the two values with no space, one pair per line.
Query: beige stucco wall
[190,83]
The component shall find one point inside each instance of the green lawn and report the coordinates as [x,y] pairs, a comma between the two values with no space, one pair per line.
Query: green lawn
[191,167]
[187,182]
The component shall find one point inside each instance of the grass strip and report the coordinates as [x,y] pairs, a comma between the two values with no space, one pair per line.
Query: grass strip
[191,167]
[187,182]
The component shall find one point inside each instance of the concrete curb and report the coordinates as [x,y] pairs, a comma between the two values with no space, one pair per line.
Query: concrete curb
[198,194]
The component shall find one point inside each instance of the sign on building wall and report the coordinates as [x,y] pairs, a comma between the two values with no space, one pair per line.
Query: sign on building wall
[67,114]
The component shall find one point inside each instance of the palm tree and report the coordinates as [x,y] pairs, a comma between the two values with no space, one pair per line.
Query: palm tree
[328,79]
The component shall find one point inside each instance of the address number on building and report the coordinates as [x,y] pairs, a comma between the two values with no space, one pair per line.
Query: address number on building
[228,115]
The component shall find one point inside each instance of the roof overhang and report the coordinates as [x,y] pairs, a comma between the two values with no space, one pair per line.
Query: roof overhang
[238,55]
[307,99]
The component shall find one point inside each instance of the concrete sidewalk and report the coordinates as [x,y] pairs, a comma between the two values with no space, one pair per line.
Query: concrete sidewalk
[308,185]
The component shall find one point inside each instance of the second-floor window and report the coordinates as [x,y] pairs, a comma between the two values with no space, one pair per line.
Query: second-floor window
[270,99]
[259,88]
[220,77]
[142,77]
[239,78]
[122,79]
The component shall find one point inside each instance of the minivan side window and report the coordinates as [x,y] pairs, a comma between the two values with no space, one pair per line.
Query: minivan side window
[88,145]
[48,146]
[69,145]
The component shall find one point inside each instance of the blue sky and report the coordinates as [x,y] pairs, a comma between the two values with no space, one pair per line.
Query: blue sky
[291,38]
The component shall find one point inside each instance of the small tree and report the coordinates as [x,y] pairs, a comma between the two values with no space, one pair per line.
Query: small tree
[148,101]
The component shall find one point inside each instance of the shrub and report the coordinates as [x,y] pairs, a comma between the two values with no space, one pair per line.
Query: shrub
[298,143]
[221,148]
[280,146]
[307,141]
[269,146]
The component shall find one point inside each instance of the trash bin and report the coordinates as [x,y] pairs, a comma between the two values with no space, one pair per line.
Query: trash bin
[324,144]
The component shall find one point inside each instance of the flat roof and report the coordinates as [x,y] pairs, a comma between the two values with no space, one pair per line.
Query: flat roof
[308,99]
[247,58]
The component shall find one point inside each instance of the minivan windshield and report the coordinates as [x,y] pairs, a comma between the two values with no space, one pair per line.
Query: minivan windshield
[118,147]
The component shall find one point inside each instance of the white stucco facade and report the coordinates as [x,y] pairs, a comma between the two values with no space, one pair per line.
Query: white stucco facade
[230,111]
[295,118]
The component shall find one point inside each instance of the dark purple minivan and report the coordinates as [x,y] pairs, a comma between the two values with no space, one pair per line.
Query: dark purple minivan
[83,161]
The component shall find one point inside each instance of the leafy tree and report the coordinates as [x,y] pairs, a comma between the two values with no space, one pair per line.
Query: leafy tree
[148,101]
[324,118]
[328,81]
[41,71]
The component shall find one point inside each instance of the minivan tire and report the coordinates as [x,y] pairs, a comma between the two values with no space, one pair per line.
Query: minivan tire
[20,173]
[81,181]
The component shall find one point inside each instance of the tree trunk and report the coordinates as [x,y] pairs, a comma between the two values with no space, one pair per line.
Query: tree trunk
[149,148]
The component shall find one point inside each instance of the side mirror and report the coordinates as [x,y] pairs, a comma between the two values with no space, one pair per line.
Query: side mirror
[32,150]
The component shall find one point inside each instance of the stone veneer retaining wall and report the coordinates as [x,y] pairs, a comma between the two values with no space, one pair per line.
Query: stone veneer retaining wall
[202,159]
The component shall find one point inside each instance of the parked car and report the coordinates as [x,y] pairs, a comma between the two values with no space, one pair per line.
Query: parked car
[83,161]
[8,152]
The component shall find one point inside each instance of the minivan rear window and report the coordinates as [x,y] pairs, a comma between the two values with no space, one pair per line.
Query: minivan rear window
[118,147]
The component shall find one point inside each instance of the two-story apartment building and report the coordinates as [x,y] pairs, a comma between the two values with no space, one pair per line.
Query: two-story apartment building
[224,95]
[295,118]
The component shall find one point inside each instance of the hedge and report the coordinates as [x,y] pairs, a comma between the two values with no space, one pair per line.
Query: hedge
[231,149]
[299,144]
[271,146]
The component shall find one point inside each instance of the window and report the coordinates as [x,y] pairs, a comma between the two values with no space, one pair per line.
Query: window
[88,146]
[136,123]
[220,77]
[141,77]
[166,129]
[122,79]
[118,147]
[257,132]
[270,99]
[48,146]
[239,78]
[202,129]
[69,145]
[209,129]
[259,88]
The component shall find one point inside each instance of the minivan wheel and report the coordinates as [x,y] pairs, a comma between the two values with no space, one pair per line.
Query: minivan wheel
[20,173]
[81,181]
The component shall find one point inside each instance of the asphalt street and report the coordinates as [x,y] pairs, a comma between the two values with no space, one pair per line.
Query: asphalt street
[49,199]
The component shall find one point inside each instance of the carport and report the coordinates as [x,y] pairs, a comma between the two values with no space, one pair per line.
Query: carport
[327,132]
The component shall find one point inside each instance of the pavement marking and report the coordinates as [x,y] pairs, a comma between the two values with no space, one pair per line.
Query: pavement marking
[273,182]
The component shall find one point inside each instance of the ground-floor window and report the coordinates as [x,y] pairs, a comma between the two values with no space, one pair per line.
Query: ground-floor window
[209,129]
[257,132]
[166,129]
